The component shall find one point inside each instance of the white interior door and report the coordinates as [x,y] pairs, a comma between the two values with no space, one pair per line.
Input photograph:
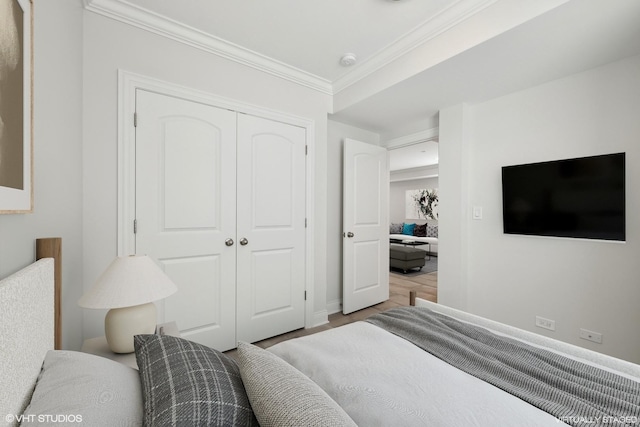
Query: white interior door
[185,211]
[365,226]
[271,228]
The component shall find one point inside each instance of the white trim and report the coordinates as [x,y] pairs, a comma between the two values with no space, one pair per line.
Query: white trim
[128,83]
[422,172]
[334,306]
[125,12]
[310,319]
[128,13]
[428,30]
[414,138]
[319,318]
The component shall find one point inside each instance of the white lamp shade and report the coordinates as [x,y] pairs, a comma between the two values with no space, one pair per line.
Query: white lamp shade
[128,281]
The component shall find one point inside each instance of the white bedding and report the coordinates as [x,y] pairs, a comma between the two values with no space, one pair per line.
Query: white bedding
[397,384]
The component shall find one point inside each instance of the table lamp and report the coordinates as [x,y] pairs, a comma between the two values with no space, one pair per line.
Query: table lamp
[128,288]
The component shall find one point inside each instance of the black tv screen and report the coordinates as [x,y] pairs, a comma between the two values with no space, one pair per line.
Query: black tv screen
[579,198]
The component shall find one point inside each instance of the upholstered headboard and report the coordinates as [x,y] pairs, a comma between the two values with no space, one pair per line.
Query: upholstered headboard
[29,326]
[26,332]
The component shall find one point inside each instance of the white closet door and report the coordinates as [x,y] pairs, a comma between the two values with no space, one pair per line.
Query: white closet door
[185,210]
[271,228]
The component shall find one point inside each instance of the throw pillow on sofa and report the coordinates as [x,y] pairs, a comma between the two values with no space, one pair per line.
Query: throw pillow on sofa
[395,228]
[408,229]
[432,231]
[420,230]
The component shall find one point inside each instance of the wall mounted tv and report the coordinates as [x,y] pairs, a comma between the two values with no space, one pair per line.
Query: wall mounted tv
[579,198]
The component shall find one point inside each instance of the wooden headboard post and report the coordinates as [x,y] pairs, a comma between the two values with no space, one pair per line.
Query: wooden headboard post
[52,248]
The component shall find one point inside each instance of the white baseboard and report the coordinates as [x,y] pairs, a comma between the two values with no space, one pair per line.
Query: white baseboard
[319,318]
[334,306]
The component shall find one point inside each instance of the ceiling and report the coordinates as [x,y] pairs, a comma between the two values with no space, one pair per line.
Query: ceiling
[574,37]
[311,35]
[304,41]
[413,156]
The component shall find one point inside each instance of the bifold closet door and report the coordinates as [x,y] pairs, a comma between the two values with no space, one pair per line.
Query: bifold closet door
[271,228]
[185,211]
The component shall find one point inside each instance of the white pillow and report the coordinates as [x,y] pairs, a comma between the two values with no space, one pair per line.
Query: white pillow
[76,388]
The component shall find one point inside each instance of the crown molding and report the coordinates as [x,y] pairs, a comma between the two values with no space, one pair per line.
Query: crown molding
[123,11]
[128,13]
[428,30]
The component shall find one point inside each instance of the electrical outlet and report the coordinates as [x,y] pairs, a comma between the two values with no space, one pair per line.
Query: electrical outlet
[591,336]
[549,324]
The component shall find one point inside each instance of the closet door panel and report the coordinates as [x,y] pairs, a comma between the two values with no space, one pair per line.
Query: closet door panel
[199,303]
[185,210]
[271,220]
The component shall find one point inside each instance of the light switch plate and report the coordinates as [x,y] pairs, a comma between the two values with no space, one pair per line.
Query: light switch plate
[477,212]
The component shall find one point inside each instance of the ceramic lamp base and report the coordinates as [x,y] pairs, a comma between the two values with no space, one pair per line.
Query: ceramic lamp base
[121,324]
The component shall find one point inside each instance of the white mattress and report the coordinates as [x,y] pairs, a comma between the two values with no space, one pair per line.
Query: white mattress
[383,380]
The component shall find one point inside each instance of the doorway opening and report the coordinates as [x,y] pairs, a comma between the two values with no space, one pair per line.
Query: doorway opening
[413,199]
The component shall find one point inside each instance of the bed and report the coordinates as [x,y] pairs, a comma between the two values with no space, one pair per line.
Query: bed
[369,373]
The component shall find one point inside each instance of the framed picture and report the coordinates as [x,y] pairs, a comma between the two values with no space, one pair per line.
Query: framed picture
[16,112]
[422,204]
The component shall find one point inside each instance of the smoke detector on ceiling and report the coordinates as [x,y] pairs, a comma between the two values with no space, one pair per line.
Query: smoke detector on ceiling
[348,59]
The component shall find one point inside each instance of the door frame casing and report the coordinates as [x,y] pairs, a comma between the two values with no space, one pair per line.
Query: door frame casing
[128,84]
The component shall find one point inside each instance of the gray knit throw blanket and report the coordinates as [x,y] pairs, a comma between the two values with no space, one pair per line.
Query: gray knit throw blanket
[574,392]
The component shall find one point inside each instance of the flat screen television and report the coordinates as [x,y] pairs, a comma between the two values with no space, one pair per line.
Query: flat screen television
[578,198]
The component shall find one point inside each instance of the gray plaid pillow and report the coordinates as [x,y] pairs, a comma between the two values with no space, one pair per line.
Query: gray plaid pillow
[184,383]
[432,231]
[395,228]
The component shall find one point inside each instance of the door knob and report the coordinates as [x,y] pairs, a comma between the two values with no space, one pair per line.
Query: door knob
[228,242]
[243,241]
[350,234]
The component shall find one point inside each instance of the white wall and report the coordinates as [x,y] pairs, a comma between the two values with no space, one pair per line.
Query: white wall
[110,45]
[57,158]
[336,134]
[397,197]
[577,283]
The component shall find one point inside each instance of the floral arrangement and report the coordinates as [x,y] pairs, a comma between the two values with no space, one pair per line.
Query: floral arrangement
[426,202]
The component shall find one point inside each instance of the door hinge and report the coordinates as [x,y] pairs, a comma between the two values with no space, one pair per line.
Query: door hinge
[305,223]
[305,295]
[306,150]
[135,120]
[135,226]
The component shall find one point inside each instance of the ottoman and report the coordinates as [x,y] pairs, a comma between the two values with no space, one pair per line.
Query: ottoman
[405,258]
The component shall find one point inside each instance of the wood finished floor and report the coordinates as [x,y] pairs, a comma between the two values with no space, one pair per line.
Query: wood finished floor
[400,285]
